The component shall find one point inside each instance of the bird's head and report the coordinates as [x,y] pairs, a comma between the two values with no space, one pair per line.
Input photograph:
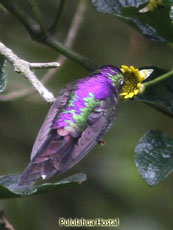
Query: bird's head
[114,76]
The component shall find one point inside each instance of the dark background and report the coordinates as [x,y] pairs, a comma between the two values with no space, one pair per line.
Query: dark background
[114,187]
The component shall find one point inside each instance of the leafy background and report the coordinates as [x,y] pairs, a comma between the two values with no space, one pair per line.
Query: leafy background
[114,187]
[150,23]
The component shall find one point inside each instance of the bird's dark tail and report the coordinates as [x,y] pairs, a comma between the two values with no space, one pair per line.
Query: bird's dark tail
[34,171]
[50,160]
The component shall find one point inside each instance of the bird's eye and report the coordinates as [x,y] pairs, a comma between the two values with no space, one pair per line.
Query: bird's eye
[122,83]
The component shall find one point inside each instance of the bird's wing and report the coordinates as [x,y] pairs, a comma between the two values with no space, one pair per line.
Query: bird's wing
[60,153]
[99,121]
[47,124]
[49,159]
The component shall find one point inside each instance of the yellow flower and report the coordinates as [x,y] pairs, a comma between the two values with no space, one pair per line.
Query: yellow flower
[133,81]
[151,5]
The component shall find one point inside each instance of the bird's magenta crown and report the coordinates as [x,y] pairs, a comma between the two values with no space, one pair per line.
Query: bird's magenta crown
[114,75]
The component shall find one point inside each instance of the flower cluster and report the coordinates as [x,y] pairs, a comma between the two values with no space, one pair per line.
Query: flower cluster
[133,81]
[151,5]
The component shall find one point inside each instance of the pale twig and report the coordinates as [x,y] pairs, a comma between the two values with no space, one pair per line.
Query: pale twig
[43,65]
[4,222]
[23,67]
[68,42]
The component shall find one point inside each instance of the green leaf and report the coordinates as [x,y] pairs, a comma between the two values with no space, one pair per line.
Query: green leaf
[170,4]
[2,74]
[159,96]
[167,2]
[155,24]
[9,186]
[154,157]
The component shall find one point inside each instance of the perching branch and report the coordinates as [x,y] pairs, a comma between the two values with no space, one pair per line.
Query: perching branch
[55,25]
[76,22]
[31,25]
[37,14]
[37,33]
[24,67]
[84,62]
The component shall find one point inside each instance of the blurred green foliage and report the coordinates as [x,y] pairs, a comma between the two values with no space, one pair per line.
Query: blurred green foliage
[114,188]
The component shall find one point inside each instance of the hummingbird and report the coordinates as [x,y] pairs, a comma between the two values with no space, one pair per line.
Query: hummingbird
[83,111]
